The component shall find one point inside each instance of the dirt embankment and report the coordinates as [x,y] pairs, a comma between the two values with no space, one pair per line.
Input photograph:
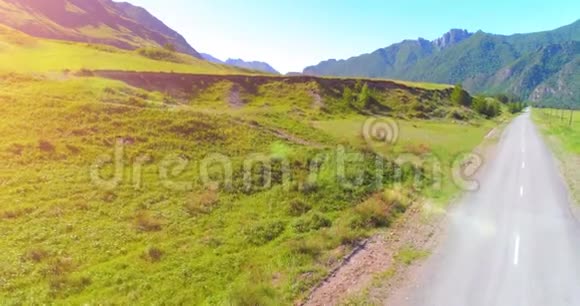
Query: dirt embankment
[180,84]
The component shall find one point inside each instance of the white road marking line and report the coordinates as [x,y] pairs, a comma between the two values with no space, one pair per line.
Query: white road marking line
[521,191]
[523,165]
[517,251]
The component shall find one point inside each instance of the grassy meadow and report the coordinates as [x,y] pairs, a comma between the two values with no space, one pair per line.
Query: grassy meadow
[563,135]
[113,194]
[443,139]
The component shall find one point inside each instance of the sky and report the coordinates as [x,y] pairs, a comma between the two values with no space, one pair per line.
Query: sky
[293,34]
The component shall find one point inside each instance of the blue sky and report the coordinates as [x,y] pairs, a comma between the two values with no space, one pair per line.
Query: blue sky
[293,34]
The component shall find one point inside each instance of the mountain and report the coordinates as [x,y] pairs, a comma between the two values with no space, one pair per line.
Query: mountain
[122,25]
[391,61]
[210,58]
[451,38]
[541,67]
[253,65]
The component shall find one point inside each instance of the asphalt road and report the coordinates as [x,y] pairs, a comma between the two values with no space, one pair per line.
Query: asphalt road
[515,241]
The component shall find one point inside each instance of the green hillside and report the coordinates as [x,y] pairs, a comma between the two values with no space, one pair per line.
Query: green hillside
[528,65]
[22,53]
[148,176]
[171,237]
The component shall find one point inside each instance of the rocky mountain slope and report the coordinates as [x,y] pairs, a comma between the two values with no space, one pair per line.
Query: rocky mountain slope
[541,67]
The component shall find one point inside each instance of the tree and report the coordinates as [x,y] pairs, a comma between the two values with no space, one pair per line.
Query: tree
[480,105]
[364,97]
[460,97]
[487,107]
[347,96]
[358,98]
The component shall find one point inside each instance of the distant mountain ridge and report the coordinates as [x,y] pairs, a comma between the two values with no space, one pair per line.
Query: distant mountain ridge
[451,38]
[252,65]
[210,58]
[390,61]
[541,67]
[255,65]
[119,24]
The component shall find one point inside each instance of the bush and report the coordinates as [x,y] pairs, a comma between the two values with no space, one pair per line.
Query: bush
[460,97]
[153,254]
[371,214]
[252,294]
[313,222]
[202,204]
[60,266]
[378,211]
[146,223]
[298,207]
[488,107]
[35,255]
[308,247]
[263,233]
[61,286]
[159,54]
[515,107]
[348,236]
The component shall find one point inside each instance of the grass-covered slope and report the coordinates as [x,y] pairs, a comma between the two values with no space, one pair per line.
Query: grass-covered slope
[160,233]
[562,131]
[93,21]
[20,52]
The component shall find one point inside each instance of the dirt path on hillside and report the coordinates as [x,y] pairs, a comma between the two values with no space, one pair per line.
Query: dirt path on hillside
[374,259]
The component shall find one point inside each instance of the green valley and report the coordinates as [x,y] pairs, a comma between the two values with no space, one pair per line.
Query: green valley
[136,172]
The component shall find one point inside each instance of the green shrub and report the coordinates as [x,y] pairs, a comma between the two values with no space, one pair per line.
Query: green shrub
[263,233]
[308,247]
[313,222]
[516,107]
[348,236]
[371,214]
[35,255]
[146,223]
[159,54]
[202,204]
[488,107]
[153,254]
[60,266]
[253,294]
[298,207]
[378,211]
[460,97]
